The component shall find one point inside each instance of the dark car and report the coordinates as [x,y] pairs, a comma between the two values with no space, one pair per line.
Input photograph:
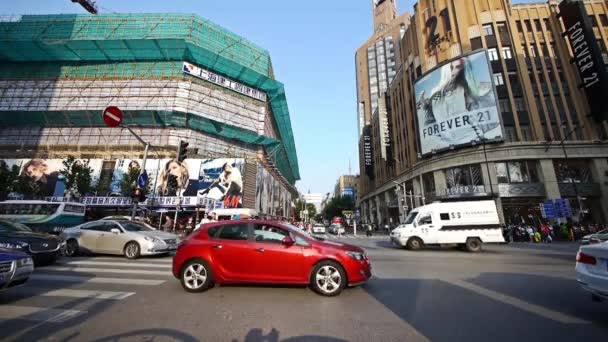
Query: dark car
[15,268]
[44,248]
[267,252]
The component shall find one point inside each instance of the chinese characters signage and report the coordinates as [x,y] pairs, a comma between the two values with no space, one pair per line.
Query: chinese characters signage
[223,81]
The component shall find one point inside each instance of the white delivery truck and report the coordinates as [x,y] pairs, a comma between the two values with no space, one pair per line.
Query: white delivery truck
[467,224]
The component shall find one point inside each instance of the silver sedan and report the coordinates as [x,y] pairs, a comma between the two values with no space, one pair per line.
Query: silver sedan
[123,237]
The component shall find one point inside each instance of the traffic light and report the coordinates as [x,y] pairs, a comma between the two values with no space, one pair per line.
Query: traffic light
[182,150]
[140,196]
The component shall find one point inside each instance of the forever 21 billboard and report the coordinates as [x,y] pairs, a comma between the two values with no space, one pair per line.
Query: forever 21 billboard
[456,104]
[587,56]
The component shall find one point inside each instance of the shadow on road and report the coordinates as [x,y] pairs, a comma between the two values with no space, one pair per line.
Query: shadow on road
[442,311]
[559,294]
[153,334]
[41,324]
[257,335]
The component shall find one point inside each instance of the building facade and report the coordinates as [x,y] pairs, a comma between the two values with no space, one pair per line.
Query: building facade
[346,186]
[316,200]
[176,77]
[538,142]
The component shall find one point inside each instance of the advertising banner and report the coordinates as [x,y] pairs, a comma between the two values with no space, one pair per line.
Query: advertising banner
[456,104]
[368,155]
[348,192]
[587,56]
[221,180]
[46,173]
[208,76]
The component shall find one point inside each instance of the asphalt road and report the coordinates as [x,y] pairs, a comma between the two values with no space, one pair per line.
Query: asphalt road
[517,292]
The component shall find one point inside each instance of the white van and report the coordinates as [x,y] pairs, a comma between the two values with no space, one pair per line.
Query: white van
[468,224]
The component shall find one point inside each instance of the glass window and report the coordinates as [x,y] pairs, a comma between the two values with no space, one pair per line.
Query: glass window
[593,20]
[517,172]
[501,173]
[493,54]
[9,227]
[234,232]
[268,233]
[518,24]
[425,219]
[444,216]
[300,241]
[96,226]
[212,231]
[604,19]
[506,52]
[134,226]
[537,25]
[498,80]
[528,25]
[487,30]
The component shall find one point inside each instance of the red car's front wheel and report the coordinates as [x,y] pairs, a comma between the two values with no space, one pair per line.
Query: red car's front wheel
[328,278]
[196,276]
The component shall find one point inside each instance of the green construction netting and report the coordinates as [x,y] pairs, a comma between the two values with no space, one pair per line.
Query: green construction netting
[119,38]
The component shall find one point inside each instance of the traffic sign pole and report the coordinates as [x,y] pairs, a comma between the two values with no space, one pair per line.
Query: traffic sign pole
[143,169]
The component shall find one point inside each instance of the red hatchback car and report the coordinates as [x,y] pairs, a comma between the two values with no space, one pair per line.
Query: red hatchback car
[267,252]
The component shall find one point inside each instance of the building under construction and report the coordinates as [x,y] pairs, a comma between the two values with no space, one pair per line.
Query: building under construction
[175,76]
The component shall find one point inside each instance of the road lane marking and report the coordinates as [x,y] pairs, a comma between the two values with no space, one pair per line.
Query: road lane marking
[518,303]
[32,313]
[105,270]
[167,260]
[108,263]
[72,293]
[97,280]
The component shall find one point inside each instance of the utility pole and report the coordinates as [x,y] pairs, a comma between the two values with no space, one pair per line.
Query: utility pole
[143,165]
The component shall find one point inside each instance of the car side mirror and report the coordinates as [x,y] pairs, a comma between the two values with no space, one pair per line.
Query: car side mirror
[288,241]
[115,230]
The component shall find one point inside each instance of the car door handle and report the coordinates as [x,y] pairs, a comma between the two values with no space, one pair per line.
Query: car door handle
[261,250]
[218,246]
[430,226]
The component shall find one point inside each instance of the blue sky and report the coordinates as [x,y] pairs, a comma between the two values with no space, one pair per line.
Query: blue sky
[312,45]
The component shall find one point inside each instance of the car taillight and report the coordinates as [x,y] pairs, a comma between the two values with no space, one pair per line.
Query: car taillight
[585,259]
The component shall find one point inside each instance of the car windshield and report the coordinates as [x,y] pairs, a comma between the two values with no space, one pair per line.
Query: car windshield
[134,226]
[11,227]
[410,218]
[605,231]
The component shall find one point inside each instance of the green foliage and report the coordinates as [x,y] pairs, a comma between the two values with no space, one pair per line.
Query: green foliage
[128,183]
[8,179]
[336,205]
[312,210]
[77,176]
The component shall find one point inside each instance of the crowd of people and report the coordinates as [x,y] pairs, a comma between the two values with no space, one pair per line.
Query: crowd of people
[549,232]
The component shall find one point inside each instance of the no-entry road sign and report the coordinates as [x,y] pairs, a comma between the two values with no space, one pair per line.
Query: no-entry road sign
[112,116]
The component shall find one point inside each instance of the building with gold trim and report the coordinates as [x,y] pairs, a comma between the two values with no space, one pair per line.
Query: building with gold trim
[551,148]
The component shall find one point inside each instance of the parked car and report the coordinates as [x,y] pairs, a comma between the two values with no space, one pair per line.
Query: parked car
[267,252]
[601,236]
[43,248]
[15,268]
[123,237]
[336,229]
[318,228]
[592,270]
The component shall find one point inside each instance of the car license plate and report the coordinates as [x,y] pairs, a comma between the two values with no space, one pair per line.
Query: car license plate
[172,247]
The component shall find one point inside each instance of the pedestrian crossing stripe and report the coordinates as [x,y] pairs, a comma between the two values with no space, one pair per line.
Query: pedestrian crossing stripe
[74,293]
[105,270]
[122,260]
[39,314]
[95,279]
[109,263]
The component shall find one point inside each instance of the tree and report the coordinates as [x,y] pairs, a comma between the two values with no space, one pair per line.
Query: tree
[312,210]
[336,205]
[300,205]
[128,183]
[8,179]
[77,176]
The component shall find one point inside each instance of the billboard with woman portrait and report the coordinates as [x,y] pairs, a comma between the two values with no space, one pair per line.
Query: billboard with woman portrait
[456,104]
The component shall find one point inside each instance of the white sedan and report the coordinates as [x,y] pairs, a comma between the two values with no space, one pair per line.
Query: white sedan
[592,270]
[318,229]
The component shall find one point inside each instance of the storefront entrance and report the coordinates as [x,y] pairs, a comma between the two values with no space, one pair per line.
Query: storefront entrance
[522,210]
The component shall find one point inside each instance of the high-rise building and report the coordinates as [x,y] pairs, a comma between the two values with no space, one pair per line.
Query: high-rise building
[376,63]
[488,104]
[346,186]
[175,77]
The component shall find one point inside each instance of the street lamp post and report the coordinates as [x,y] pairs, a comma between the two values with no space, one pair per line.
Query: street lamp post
[561,143]
[404,194]
[485,155]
